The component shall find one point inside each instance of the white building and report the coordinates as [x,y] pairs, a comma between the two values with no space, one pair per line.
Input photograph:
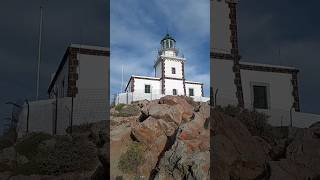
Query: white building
[169,78]
[268,88]
[78,93]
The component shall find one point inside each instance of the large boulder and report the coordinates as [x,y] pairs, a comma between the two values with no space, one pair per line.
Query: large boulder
[305,149]
[189,156]
[8,158]
[167,113]
[287,169]
[236,153]
[181,102]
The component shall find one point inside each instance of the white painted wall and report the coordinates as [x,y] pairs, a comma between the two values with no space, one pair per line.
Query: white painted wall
[196,89]
[173,64]
[222,78]
[139,85]
[279,85]
[92,71]
[220,31]
[171,84]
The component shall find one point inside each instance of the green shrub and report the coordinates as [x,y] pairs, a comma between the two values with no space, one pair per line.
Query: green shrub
[5,142]
[119,107]
[67,155]
[29,145]
[130,160]
[64,154]
[8,138]
[127,110]
[256,122]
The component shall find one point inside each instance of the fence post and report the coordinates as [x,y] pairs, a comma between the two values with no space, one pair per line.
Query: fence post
[127,98]
[27,102]
[291,124]
[71,118]
[56,118]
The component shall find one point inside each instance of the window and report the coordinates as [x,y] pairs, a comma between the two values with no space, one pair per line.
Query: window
[260,97]
[174,91]
[173,70]
[191,93]
[147,89]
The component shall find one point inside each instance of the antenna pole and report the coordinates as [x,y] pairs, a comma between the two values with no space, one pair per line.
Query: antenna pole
[39,51]
[121,78]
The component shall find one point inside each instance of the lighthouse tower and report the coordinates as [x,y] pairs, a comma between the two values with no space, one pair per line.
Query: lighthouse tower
[169,67]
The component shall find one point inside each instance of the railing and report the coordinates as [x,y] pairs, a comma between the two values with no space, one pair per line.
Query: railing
[278,116]
[129,97]
[54,116]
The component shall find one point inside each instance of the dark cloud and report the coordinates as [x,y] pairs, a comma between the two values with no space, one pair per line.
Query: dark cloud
[291,26]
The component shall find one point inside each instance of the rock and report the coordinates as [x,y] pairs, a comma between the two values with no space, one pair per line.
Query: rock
[189,156]
[236,154]
[113,111]
[181,102]
[5,175]
[104,158]
[7,159]
[147,131]
[152,155]
[166,112]
[305,149]
[120,138]
[22,159]
[141,103]
[287,169]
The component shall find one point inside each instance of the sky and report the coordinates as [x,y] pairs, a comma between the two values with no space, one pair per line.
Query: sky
[136,33]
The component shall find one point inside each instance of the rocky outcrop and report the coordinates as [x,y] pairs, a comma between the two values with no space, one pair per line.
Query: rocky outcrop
[237,154]
[188,157]
[172,132]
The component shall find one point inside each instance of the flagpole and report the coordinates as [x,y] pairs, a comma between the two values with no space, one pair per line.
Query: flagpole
[121,78]
[39,51]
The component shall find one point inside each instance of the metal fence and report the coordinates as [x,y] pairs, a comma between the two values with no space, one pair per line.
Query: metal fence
[278,116]
[129,97]
[54,116]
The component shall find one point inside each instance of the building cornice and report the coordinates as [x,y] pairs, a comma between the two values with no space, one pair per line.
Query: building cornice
[267,68]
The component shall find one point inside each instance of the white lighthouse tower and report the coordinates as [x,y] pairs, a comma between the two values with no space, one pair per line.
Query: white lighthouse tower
[170,68]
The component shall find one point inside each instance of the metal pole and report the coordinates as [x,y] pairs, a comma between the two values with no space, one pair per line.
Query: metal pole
[27,116]
[71,120]
[56,118]
[121,78]
[39,51]
[215,98]
[150,92]
[291,116]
